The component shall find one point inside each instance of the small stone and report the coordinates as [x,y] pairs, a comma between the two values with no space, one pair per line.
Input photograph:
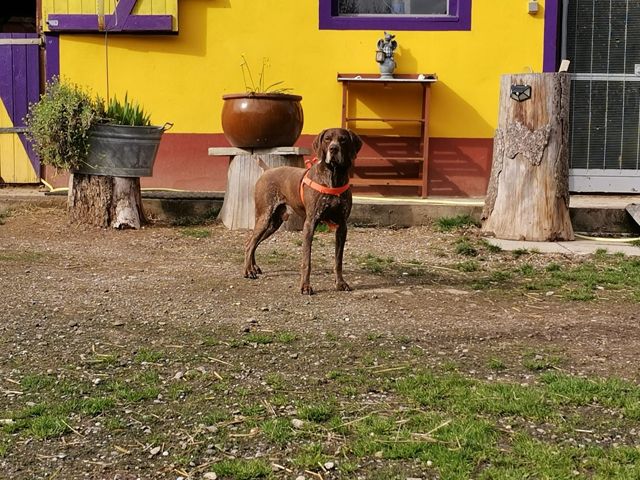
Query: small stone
[429,463]
[297,423]
[6,421]
[117,323]
[210,476]
[211,429]
[73,324]
[329,465]
[301,477]
[155,450]
[293,355]
[178,375]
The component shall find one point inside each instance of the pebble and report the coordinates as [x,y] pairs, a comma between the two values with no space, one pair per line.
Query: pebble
[178,375]
[297,423]
[155,450]
[301,477]
[210,476]
[118,323]
[329,465]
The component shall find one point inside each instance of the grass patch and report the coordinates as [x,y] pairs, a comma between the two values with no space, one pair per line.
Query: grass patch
[148,356]
[375,264]
[464,246]
[318,413]
[496,364]
[447,224]
[537,362]
[468,266]
[195,232]
[241,469]
[278,430]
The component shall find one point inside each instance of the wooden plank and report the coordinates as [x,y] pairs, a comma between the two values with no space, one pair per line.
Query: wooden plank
[232,151]
[238,209]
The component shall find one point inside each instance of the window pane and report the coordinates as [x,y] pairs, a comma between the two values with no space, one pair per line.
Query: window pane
[391,7]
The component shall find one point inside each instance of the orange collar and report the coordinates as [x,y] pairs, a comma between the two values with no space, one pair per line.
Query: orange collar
[336,191]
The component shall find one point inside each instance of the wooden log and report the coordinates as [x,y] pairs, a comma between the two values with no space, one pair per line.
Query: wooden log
[528,193]
[105,201]
[238,209]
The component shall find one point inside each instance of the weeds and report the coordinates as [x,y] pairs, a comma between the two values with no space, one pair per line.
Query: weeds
[447,224]
[194,232]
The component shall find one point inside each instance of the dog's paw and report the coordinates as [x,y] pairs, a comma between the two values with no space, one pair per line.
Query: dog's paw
[343,286]
[252,272]
[306,289]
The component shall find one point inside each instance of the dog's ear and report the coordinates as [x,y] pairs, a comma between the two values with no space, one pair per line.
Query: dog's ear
[356,141]
[318,141]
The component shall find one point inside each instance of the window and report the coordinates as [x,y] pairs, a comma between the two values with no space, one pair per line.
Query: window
[395,14]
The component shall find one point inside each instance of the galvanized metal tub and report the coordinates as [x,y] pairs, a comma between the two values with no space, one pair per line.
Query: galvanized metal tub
[122,150]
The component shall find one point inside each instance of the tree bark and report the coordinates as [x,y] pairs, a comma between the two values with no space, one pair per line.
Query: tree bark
[528,193]
[104,201]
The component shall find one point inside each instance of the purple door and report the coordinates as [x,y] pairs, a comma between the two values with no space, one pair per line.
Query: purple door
[19,86]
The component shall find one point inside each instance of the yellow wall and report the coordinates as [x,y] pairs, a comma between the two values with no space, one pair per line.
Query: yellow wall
[15,166]
[181,78]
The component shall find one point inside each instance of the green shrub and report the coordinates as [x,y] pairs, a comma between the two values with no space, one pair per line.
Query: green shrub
[58,125]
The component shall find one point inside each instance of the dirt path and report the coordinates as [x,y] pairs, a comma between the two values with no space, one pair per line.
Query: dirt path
[69,294]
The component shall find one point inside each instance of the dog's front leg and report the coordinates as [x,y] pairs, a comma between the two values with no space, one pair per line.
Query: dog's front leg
[341,238]
[307,238]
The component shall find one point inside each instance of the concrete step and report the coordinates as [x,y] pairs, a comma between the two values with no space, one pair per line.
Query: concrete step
[593,214]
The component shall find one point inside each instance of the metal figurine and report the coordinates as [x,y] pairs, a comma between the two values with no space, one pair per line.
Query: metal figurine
[384,55]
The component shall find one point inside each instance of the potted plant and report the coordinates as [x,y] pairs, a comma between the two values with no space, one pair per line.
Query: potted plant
[263,116]
[106,146]
[69,130]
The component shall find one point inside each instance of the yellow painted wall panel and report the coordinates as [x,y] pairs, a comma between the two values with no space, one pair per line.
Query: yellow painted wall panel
[142,7]
[15,166]
[181,78]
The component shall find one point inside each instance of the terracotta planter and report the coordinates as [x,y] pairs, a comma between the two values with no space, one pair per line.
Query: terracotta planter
[262,120]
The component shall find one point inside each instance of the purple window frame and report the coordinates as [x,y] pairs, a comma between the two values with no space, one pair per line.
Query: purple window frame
[459,18]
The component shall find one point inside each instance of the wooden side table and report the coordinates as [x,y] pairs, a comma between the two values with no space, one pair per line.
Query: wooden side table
[350,79]
[238,209]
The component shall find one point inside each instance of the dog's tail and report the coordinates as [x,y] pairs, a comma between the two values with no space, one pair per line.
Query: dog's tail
[262,164]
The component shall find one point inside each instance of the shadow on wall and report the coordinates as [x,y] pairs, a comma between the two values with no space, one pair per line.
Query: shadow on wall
[191,39]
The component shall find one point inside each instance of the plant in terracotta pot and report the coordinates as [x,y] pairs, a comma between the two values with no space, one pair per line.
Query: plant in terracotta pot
[263,116]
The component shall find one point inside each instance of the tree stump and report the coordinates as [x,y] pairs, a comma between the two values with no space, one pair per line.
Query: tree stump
[105,201]
[528,193]
[238,209]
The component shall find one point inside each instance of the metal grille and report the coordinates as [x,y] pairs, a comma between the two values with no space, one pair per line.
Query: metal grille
[603,43]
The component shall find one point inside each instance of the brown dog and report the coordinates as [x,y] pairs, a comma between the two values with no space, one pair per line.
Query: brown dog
[319,194]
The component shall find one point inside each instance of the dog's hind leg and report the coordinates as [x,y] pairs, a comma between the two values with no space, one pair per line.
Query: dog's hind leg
[267,223]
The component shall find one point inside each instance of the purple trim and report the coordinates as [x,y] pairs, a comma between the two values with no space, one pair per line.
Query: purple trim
[459,19]
[20,84]
[52,55]
[550,54]
[89,23]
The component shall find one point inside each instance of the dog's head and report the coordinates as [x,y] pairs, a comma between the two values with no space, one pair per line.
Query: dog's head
[337,147]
